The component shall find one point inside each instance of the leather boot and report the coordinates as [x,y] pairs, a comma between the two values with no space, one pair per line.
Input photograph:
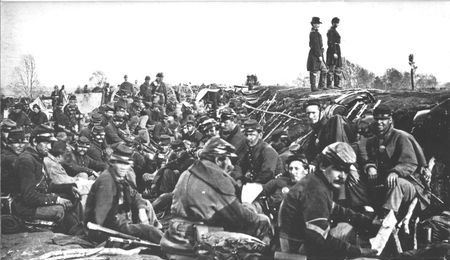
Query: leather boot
[322,80]
[312,81]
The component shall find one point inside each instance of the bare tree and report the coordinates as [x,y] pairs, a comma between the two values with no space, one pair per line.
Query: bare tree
[98,78]
[26,82]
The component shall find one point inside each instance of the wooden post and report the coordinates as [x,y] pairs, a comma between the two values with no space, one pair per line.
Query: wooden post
[413,69]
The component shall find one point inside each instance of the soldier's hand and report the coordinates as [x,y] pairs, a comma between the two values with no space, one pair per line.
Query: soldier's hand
[249,175]
[335,56]
[64,202]
[368,252]
[76,193]
[392,180]
[373,174]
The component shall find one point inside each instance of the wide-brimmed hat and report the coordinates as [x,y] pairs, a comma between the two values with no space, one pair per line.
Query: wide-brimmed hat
[315,20]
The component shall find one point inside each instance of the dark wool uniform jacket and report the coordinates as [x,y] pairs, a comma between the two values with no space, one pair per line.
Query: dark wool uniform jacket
[97,152]
[206,193]
[35,190]
[38,118]
[334,41]
[393,152]
[262,161]
[113,135]
[103,201]
[75,164]
[238,140]
[10,181]
[21,118]
[306,214]
[315,51]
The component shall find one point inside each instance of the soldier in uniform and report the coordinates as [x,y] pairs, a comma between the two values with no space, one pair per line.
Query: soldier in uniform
[6,126]
[126,88]
[96,120]
[36,116]
[38,198]
[159,87]
[135,108]
[78,161]
[190,133]
[204,184]
[230,131]
[308,210]
[393,155]
[19,116]
[55,96]
[334,59]
[116,131]
[73,113]
[316,65]
[146,90]
[97,149]
[114,203]
[15,145]
[261,163]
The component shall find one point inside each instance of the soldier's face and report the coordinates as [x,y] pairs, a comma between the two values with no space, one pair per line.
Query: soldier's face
[316,25]
[253,137]
[297,171]
[73,102]
[17,148]
[121,169]
[82,150]
[335,176]
[43,147]
[212,132]
[383,124]
[313,113]
[99,137]
[109,113]
[227,125]
[225,165]
[120,112]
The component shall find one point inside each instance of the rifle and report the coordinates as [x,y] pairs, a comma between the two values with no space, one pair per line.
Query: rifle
[129,239]
[427,190]
[120,242]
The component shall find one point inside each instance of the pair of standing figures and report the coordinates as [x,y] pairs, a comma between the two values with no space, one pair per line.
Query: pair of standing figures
[322,70]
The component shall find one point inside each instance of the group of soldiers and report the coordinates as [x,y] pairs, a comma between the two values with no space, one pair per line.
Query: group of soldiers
[132,163]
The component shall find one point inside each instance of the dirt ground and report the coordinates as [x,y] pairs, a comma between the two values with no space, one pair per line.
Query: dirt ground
[26,246]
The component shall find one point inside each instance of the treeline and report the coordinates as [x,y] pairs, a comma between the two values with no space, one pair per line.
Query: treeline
[359,77]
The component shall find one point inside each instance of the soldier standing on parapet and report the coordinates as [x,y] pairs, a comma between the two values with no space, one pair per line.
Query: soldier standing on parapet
[316,65]
[334,59]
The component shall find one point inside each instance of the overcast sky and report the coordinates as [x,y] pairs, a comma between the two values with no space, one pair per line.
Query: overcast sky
[206,42]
